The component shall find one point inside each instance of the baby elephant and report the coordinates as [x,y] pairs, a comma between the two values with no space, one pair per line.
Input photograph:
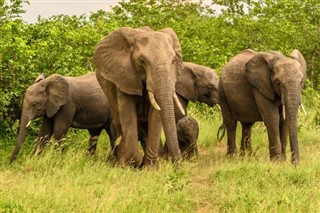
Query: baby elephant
[188,131]
[64,102]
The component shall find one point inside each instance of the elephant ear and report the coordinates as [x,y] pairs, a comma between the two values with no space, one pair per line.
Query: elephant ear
[40,78]
[57,93]
[113,60]
[258,70]
[176,47]
[186,83]
[299,57]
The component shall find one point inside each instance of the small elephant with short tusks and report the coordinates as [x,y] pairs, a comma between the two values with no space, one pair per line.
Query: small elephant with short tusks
[65,102]
[195,83]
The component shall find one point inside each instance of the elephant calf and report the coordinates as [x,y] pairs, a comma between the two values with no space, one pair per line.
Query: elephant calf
[65,102]
[188,131]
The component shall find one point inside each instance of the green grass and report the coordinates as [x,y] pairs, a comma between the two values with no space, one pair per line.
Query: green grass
[71,181]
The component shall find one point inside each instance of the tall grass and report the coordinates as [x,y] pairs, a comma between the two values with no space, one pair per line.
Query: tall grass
[72,181]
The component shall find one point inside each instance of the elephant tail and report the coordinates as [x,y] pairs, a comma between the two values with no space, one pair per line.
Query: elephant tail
[221,132]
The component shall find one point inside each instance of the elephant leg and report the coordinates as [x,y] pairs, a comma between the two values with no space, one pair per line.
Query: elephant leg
[231,135]
[61,125]
[229,122]
[143,134]
[127,150]
[151,156]
[284,131]
[271,118]
[94,136]
[44,135]
[112,133]
[246,138]
[231,126]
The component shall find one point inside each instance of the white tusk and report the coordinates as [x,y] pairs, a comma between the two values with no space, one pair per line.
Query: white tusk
[284,112]
[118,140]
[303,109]
[176,99]
[28,123]
[153,101]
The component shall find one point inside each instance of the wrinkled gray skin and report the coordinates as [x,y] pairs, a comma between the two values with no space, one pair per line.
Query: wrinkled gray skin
[263,86]
[195,83]
[188,131]
[64,102]
[134,65]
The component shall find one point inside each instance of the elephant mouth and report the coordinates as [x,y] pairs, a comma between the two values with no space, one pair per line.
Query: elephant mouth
[157,107]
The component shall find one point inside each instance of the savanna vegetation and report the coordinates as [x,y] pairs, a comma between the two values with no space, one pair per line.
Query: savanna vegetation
[73,182]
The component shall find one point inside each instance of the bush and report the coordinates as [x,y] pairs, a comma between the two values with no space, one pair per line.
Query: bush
[65,44]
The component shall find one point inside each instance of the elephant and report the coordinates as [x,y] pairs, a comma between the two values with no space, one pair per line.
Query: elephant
[137,69]
[195,83]
[263,86]
[188,131]
[65,102]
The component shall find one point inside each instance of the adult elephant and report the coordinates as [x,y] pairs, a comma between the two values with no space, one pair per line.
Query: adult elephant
[136,67]
[263,86]
[64,102]
[195,83]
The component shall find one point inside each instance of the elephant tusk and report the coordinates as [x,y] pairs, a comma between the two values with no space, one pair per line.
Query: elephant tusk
[303,109]
[28,123]
[118,140]
[284,112]
[153,101]
[176,99]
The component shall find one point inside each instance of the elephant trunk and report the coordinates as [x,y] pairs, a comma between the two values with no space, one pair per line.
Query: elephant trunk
[21,137]
[164,96]
[292,106]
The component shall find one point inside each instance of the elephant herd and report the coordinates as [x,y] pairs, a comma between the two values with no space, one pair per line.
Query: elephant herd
[141,85]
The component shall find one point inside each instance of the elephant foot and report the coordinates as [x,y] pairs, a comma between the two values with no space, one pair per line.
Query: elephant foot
[189,153]
[150,163]
[231,153]
[134,161]
[275,158]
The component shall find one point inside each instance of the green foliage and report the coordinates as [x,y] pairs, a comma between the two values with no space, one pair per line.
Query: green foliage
[10,9]
[64,44]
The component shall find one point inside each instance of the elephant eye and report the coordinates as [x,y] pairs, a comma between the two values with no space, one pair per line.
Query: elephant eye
[141,60]
[277,82]
[210,87]
[302,82]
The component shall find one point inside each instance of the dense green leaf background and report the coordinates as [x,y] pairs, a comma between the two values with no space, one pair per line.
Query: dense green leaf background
[65,44]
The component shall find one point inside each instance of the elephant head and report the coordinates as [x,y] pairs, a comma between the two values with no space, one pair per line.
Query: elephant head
[134,59]
[275,75]
[43,98]
[198,83]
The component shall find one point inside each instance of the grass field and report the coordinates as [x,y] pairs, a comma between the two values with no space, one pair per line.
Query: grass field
[74,182]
